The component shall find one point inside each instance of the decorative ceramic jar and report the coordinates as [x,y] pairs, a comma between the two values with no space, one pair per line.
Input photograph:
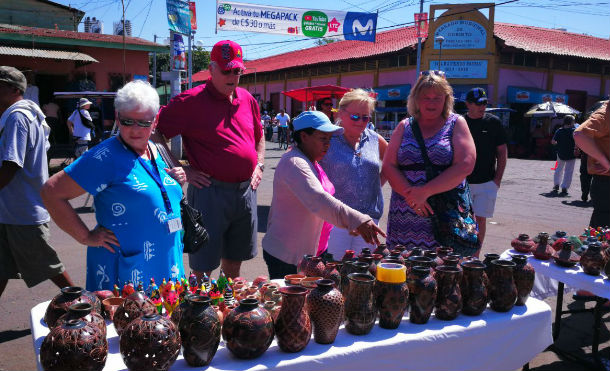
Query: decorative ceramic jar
[348,268]
[332,273]
[365,252]
[487,261]
[414,251]
[84,312]
[69,295]
[382,249]
[293,326]
[303,262]
[543,250]
[422,294]
[592,260]
[368,259]
[150,342]
[474,287]
[566,257]
[199,330]
[314,267]
[348,256]
[396,255]
[177,312]
[391,294]
[273,308]
[436,260]
[449,297]
[360,311]
[110,306]
[444,251]
[523,243]
[248,330]
[134,306]
[503,294]
[421,261]
[74,345]
[524,275]
[326,311]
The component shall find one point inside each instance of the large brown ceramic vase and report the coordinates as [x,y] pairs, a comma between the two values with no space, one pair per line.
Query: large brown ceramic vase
[313,267]
[503,294]
[83,311]
[474,288]
[523,243]
[74,345]
[293,326]
[332,273]
[593,260]
[382,249]
[422,294]
[326,311]
[150,342]
[248,330]
[134,306]
[524,275]
[360,311]
[69,295]
[391,294]
[566,257]
[449,297]
[543,251]
[348,268]
[487,261]
[199,330]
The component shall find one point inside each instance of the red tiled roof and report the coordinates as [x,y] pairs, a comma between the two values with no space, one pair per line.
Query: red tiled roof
[529,38]
[63,34]
[544,40]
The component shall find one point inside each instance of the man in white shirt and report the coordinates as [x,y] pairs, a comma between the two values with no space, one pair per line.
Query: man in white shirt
[282,119]
[81,126]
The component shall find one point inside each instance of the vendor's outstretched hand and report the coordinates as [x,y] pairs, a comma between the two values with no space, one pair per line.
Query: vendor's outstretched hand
[102,237]
[369,231]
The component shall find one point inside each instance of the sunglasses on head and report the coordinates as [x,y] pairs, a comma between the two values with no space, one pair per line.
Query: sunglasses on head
[130,122]
[359,117]
[432,72]
[235,71]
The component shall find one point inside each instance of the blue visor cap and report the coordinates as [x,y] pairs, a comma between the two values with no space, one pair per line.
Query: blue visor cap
[316,120]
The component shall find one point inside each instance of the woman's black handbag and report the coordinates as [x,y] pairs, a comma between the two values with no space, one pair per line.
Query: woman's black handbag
[453,221]
[195,235]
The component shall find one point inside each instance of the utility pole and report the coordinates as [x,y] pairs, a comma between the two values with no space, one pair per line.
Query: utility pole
[155,65]
[190,66]
[421,10]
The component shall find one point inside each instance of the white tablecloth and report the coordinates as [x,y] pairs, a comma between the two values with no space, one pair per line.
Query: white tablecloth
[549,274]
[492,341]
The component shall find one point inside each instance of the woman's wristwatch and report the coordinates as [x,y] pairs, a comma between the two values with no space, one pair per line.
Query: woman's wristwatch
[261,166]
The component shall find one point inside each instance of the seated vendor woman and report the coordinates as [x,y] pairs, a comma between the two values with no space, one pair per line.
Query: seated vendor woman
[136,199]
[300,204]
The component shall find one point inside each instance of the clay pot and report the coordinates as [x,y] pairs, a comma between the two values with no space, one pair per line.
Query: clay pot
[310,282]
[220,312]
[371,262]
[452,260]
[360,311]
[449,297]
[348,256]
[503,294]
[366,252]
[422,294]
[293,279]
[199,330]
[348,268]
[134,306]
[248,330]
[150,342]
[313,267]
[272,308]
[111,305]
[421,261]
[391,294]
[301,264]
[177,312]
[566,257]
[74,345]
[436,260]
[84,312]
[69,295]
[332,273]
[593,261]
[103,294]
[444,251]
[382,249]
[487,261]
[523,243]
[293,326]
[326,311]
[260,281]
[543,250]
[558,243]
[396,255]
[524,275]
[474,287]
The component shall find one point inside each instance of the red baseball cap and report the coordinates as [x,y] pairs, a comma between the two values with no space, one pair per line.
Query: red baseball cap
[228,55]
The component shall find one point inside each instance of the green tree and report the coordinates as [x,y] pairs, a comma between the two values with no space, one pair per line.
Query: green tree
[325,40]
[201,60]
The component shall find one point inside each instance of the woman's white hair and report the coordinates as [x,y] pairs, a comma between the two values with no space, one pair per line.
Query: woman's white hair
[138,96]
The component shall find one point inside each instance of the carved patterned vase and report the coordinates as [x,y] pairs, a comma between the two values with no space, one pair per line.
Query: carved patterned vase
[177,313]
[524,275]
[592,260]
[326,311]
[83,311]
[422,294]
[396,255]
[566,257]
[474,287]
[303,262]
[372,268]
[382,249]
[543,250]
[150,342]
[422,261]
[314,267]
[360,311]
[69,295]
[134,306]
[503,294]
[199,330]
[248,330]
[293,326]
[349,268]
[449,297]
[523,243]
[332,273]
[391,294]
[74,345]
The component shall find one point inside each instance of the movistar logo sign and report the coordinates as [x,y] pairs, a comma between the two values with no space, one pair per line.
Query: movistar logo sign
[357,27]
[360,26]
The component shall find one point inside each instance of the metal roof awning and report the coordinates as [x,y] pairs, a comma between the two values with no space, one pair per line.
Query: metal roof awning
[48,54]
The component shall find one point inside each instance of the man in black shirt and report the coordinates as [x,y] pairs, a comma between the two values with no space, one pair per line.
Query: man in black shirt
[490,141]
[564,142]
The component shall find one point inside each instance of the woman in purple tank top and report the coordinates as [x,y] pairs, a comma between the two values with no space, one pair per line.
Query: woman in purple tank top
[448,143]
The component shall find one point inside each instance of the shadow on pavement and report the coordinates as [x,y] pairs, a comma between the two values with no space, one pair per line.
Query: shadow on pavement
[577,203]
[552,195]
[9,335]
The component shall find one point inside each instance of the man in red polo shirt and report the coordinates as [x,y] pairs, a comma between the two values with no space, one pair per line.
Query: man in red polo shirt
[221,129]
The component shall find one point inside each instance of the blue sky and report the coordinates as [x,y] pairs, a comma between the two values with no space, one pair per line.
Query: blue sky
[148,18]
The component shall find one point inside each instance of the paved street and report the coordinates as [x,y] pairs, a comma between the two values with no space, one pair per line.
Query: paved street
[523,207]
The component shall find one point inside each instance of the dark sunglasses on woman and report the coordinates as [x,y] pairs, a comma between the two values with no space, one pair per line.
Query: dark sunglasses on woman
[235,71]
[130,122]
[433,72]
[358,117]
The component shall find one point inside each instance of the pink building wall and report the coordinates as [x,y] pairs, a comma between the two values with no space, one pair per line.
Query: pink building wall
[562,82]
[324,81]
[510,77]
[397,77]
[275,87]
[357,81]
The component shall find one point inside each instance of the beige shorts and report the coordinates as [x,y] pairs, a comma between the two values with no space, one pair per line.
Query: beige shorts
[25,253]
[484,198]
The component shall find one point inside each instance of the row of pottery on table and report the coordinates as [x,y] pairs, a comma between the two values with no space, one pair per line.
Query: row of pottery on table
[594,259]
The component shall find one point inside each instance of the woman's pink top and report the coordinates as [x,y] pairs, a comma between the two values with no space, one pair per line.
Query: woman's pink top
[328,186]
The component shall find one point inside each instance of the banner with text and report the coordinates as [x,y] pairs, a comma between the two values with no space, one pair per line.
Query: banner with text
[421,24]
[193,11]
[242,17]
[179,16]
